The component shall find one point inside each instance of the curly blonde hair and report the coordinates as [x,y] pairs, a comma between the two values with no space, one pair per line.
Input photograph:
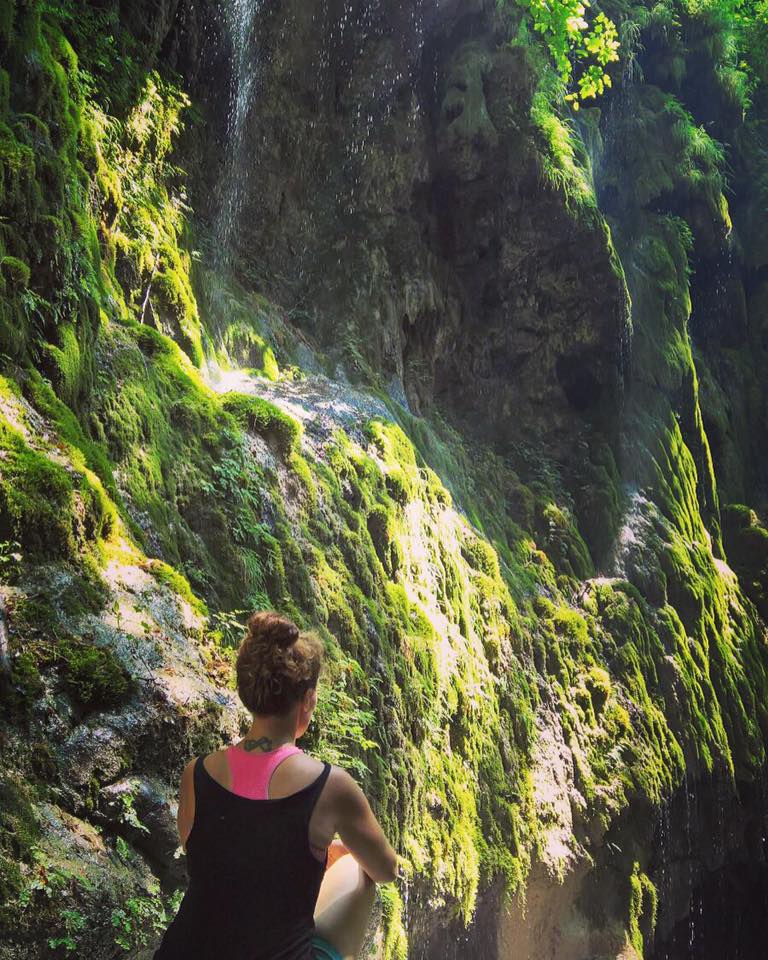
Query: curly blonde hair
[276,664]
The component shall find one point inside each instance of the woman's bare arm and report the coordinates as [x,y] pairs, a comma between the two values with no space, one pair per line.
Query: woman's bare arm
[186,815]
[361,832]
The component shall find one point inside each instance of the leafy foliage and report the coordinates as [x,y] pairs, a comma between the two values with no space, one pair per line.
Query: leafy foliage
[581,47]
[750,19]
[143,919]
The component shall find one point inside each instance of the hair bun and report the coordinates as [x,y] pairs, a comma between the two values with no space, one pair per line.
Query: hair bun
[276,664]
[272,630]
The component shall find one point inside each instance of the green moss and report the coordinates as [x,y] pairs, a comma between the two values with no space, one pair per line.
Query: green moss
[396,937]
[68,363]
[264,418]
[562,165]
[598,684]
[251,329]
[669,152]
[16,271]
[303,471]
[93,676]
[392,443]
[381,527]
[19,831]
[178,584]
[52,511]
[643,905]
[41,177]
[481,556]
[173,298]
[746,545]
[26,681]
[439,653]
[42,397]
[563,543]
[572,626]
[398,486]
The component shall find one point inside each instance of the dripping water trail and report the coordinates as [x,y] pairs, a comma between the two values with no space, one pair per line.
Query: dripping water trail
[763,801]
[376,98]
[240,21]
[603,149]
[665,862]
[721,851]
[695,902]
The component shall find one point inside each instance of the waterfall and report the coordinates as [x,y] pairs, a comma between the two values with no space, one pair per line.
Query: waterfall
[664,863]
[240,23]
[690,800]
[376,93]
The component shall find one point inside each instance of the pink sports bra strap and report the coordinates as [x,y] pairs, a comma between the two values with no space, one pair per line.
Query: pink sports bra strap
[251,772]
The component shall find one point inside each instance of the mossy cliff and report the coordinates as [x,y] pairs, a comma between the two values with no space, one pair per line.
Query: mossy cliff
[448,386]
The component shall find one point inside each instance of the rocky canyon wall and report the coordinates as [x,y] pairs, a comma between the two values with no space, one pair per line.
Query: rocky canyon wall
[338,307]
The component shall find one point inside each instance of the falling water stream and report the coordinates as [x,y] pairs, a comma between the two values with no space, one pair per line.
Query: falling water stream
[664,868]
[375,93]
[240,18]
[694,903]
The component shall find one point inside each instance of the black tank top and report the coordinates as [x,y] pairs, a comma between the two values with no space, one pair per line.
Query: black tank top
[253,880]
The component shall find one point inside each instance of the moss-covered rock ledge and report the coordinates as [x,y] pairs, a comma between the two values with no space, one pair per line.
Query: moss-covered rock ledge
[437,674]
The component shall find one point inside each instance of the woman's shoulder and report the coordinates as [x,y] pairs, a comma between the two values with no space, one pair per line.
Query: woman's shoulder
[338,786]
[304,768]
[215,763]
[337,775]
[305,761]
[342,783]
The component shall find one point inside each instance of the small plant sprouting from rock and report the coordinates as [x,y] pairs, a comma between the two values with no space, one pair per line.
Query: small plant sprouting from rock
[73,923]
[143,918]
[128,814]
[10,559]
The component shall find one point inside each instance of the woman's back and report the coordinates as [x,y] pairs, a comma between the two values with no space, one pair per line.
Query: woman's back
[254,878]
[257,821]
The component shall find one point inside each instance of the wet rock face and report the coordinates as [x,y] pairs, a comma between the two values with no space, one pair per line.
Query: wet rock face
[150,22]
[395,207]
[710,871]
[377,169]
[438,938]
[708,861]
[138,809]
